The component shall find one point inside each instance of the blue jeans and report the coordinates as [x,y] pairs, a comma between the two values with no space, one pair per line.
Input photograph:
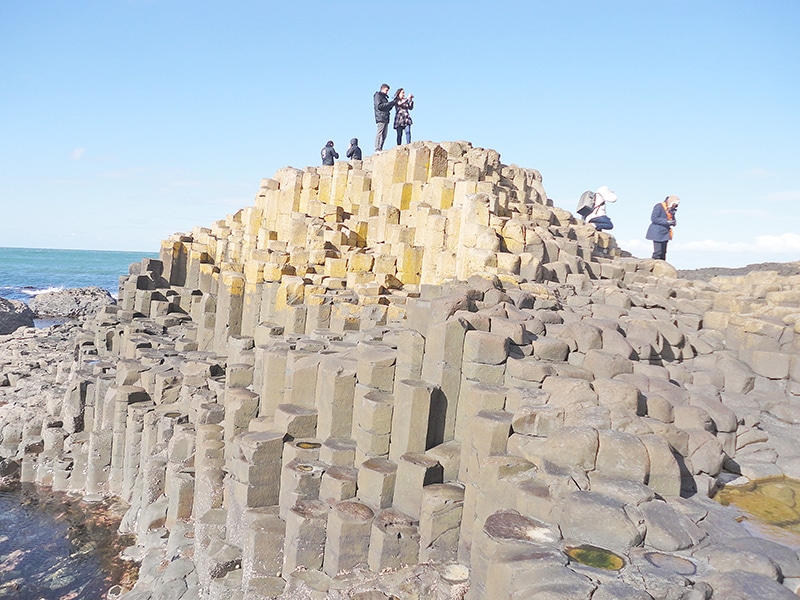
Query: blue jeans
[400,131]
[601,223]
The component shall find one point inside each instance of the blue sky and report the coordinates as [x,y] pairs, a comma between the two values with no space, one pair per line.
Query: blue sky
[122,122]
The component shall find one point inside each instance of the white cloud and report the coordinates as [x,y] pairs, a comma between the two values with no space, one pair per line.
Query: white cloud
[757,173]
[787,196]
[77,153]
[636,247]
[784,243]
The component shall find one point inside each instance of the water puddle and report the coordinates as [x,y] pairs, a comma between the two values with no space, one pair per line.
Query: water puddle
[592,556]
[53,546]
[770,506]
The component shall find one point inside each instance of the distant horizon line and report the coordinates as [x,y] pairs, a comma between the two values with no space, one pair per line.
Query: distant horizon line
[77,250]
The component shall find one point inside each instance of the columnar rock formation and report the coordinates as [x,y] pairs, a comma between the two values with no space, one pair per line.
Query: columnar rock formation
[415,376]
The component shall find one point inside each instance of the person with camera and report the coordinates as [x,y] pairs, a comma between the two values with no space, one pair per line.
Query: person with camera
[382,109]
[402,119]
[662,220]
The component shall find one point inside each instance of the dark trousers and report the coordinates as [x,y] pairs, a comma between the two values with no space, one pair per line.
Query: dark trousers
[407,131]
[660,250]
[601,223]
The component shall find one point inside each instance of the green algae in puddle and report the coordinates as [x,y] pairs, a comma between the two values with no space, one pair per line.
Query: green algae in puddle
[592,556]
[308,445]
[770,507]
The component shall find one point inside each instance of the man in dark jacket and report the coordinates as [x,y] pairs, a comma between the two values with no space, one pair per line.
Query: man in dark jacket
[662,220]
[354,152]
[383,106]
[328,153]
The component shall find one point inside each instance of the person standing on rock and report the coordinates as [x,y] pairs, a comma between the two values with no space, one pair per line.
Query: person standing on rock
[662,220]
[598,216]
[328,153]
[402,119]
[353,152]
[383,106]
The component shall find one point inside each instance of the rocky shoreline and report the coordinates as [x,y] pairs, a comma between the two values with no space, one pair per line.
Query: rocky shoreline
[789,269]
[413,377]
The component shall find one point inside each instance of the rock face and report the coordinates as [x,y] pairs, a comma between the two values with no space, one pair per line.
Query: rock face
[13,315]
[72,302]
[413,376]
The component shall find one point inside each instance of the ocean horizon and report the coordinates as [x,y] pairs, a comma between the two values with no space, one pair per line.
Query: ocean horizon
[26,272]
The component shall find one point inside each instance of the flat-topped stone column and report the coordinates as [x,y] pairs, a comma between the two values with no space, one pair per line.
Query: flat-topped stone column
[411,419]
[441,508]
[414,471]
[376,482]
[394,541]
[304,540]
[124,397]
[336,380]
[347,536]
[300,480]
[230,304]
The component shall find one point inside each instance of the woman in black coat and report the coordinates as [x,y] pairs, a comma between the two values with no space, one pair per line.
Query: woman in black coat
[402,120]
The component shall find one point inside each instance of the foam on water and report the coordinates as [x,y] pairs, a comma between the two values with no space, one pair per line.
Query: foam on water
[27,272]
[34,292]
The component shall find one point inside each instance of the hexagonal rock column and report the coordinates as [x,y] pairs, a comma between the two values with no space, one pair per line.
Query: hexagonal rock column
[254,476]
[125,396]
[376,482]
[414,471]
[394,541]
[440,522]
[348,535]
[336,381]
[304,541]
[300,480]
[411,420]
[507,536]
[262,547]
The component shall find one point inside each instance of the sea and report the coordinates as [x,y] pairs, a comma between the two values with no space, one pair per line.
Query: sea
[54,547]
[25,272]
[68,551]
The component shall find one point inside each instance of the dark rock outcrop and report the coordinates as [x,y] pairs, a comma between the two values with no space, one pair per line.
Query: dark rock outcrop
[13,315]
[73,302]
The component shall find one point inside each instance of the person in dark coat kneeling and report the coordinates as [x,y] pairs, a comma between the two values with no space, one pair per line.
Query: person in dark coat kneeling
[662,220]
[328,153]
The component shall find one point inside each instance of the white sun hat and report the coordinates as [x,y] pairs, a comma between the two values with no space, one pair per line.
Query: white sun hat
[607,194]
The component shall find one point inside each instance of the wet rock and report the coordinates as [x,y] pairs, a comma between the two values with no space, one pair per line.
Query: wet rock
[786,558]
[598,520]
[72,302]
[744,584]
[13,315]
[667,529]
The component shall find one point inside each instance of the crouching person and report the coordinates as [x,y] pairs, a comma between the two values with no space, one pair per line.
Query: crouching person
[598,216]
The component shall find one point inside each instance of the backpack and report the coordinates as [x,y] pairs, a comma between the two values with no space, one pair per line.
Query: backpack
[586,203]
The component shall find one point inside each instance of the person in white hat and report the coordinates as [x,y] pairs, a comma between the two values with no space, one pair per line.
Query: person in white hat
[598,216]
[662,220]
